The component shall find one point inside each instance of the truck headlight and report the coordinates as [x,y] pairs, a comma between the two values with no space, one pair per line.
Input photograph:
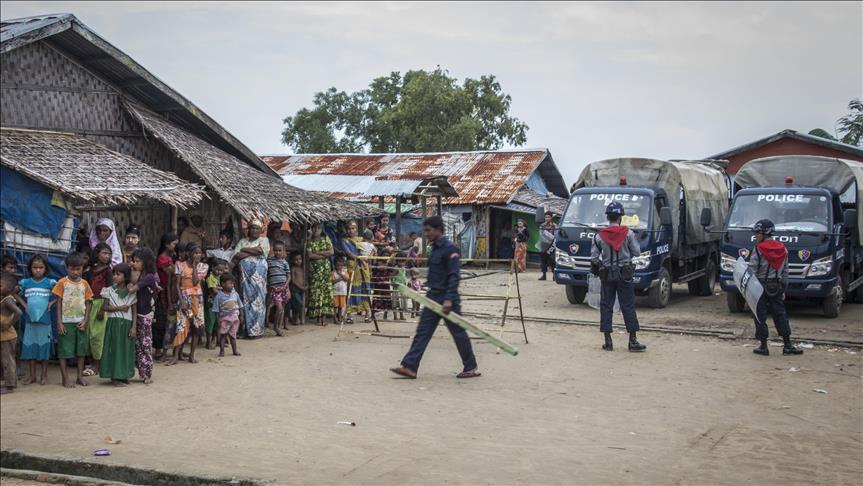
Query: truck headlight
[563,260]
[820,267]
[727,262]
[642,261]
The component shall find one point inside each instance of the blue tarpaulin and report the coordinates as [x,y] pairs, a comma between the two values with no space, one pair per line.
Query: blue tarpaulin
[27,204]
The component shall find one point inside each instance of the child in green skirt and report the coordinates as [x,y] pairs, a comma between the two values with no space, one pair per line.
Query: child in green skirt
[118,350]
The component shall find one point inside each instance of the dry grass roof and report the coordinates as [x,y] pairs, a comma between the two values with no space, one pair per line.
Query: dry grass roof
[90,172]
[250,192]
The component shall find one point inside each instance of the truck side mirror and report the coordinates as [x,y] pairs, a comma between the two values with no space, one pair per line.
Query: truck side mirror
[540,215]
[706,217]
[665,216]
[850,216]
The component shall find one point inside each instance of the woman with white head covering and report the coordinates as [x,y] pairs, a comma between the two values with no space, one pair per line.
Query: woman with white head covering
[251,256]
[104,232]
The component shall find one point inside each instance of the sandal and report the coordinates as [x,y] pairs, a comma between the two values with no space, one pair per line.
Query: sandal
[88,372]
[469,374]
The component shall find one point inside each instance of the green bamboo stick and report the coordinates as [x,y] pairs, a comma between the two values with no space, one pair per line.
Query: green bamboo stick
[455,319]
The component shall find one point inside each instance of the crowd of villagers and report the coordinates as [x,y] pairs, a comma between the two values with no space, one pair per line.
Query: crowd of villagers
[122,307]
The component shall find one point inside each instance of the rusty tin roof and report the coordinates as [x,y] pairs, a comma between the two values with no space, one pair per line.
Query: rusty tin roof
[488,177]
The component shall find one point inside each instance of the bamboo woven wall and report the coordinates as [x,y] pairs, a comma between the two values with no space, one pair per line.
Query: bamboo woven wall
[45,90]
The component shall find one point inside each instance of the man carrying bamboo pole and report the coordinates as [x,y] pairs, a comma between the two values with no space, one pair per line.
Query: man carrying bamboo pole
[443,278]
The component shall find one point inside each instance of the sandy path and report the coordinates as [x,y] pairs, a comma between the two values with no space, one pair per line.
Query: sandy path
[691,410]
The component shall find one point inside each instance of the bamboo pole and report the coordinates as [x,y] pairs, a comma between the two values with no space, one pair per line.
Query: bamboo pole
[456,319]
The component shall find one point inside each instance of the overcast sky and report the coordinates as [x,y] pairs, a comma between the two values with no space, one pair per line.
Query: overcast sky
[593,81]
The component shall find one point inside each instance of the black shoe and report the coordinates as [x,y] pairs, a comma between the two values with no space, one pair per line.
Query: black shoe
[791,350]
[608,347]
[763,351]
[636,347]
[543,277]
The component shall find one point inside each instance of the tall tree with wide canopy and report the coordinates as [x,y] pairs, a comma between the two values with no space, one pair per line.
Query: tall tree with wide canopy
[420,111]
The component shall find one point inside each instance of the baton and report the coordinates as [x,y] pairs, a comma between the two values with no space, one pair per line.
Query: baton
[455,319]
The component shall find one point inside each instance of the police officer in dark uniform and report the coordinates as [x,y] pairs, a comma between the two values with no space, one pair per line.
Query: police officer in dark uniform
[769,262]
[443,278]
[611,260]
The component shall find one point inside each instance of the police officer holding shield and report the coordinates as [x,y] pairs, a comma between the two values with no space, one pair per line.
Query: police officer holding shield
[769,262]
[611,260]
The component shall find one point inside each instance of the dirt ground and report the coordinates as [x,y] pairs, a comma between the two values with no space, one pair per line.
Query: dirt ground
[689,410]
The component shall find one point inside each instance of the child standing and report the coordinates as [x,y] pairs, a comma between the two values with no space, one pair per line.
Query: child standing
[382,292]
[118,352]
[146,291]
[230,310]
[400,278]
[416,285]
[190,317]
[278,281]
[298,290]
[9,315]
[99,277]
[166,304]
[217,268]
[340,290]
[73,306]
[36,292]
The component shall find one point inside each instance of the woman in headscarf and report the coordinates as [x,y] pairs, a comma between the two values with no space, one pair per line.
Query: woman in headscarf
[320,275]
[520,238]
[104,232]
[251,256]
[361,286]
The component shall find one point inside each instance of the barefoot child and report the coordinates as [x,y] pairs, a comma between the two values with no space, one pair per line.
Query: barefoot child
[118,351]
[211,319]
[190,317]
[36,292]
[99,277]
[340,290]
[9,315]
[400,302]
[298,290]
[146,291]
[230,311]
[278,281]
[73,306]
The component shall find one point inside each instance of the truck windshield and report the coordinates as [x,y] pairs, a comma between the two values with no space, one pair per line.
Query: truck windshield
[789,212]
[589,209]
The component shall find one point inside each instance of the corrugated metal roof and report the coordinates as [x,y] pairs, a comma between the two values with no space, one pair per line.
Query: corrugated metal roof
[803,137]
[534,199]
[490,177]
[362,187]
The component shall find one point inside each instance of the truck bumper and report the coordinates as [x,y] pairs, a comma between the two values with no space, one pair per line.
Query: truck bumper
[809,288]
[578,278]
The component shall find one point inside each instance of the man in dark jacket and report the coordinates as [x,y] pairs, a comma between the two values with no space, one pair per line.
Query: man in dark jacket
[443,279]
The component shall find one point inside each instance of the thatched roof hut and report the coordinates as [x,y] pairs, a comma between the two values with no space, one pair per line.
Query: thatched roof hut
[90,173]
[252,193]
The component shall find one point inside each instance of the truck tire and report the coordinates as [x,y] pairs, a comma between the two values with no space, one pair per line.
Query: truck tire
[575,295]
[832,304]
[736,302]
[660,294]
[703,286]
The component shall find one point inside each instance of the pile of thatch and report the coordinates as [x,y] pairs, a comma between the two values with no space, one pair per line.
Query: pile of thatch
[549,201]
[251,192]
[89,172]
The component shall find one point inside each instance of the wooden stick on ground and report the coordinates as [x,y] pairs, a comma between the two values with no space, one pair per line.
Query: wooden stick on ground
[456,319]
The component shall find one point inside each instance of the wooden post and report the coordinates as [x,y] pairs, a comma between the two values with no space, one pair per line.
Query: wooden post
[423,203]
[174,220]
[381,202]
[398,219]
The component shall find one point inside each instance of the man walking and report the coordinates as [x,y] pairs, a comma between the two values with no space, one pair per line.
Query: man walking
[769,261]
[443,279]
[546,240]
[611,259]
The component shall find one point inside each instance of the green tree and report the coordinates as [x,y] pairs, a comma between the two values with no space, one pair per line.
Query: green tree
[850,126]
[420,111]
[820,132]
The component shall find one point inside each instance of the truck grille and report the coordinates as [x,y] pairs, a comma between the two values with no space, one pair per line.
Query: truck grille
[798,270]
[581,262]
